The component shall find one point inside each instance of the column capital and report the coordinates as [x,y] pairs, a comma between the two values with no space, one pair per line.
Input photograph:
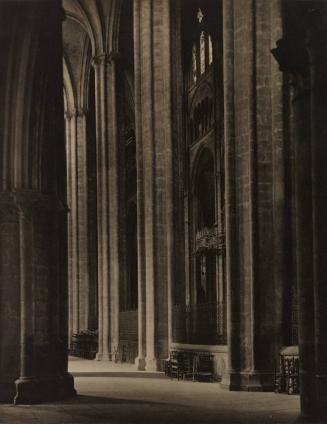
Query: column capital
[81,112]
[293,58]
[297,52]
[69,114]
[99,59]
[75,113]
[103,58]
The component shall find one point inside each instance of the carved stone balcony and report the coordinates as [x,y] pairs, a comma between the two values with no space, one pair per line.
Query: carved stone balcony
[209,239]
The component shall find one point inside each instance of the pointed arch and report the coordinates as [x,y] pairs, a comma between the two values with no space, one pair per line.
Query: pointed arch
[86,13]
[113,26]
[69,88]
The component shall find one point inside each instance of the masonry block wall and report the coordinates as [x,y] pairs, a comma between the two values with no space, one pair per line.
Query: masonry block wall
[251,189]
[33,210]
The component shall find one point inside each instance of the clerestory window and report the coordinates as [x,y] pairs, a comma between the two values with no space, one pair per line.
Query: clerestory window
[202,48]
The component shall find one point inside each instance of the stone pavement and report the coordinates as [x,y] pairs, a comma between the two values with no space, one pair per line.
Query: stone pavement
[125,399]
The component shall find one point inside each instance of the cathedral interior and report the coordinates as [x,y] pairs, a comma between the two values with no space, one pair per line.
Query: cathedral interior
[164,193]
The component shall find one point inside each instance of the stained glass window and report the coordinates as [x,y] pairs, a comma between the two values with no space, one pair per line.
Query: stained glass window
[210,54]
[202,53]
[200,15]
[194,67]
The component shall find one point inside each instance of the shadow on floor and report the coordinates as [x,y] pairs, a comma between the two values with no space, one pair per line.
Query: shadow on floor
[100,400]
[125,374]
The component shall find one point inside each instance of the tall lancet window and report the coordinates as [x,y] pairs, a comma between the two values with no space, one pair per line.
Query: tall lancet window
[210,53]
[202,48]
[194,64]
[202,53]
[200,15]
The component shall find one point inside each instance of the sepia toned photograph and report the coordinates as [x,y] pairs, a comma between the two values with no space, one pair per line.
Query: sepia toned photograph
[163,208]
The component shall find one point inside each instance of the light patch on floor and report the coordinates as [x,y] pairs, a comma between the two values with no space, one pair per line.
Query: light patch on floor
[118,394]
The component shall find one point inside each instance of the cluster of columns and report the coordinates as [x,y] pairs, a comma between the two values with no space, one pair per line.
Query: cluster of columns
[33,211]
[253,145]
[81,288]
[152,30]
[154,193]
[154,189]
[107,205]
[302,54]
[254,190]
[77,193]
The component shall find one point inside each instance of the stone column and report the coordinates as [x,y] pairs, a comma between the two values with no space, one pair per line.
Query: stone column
[107,205]
[43,298]
[33,232]
[232,279]
[78,224]
[72,221]
[99,63]
[82,222]
[10,301]
[304,57]
[282,255]
[140,360]
[114,202]
[249,196]
[304,242]
[180,290]
[317,48]
[155,176]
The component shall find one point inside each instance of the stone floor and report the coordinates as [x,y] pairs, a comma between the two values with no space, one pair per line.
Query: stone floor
[117,394]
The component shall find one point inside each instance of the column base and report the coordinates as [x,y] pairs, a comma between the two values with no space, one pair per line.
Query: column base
[140,363]
[7,391]
[103,357]
[31,390]
[153,364]
[248,381]
[321,387]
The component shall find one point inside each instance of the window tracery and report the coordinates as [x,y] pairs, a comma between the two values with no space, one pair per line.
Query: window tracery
[194,64]
[202,49]
[201,118]
[210,52]
[199,15]
[202,53]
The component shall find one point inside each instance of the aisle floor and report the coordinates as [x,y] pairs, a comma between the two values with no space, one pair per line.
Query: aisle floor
[123,396]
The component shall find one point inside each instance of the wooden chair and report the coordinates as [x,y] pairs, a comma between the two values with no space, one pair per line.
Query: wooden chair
[203,367]
[187,371]
[166,367]
[176,364]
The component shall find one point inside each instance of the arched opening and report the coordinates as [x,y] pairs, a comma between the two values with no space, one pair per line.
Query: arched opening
[205,232]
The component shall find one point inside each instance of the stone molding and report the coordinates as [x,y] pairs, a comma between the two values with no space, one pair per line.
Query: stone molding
[76,113]
[104,58]
[99,59]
